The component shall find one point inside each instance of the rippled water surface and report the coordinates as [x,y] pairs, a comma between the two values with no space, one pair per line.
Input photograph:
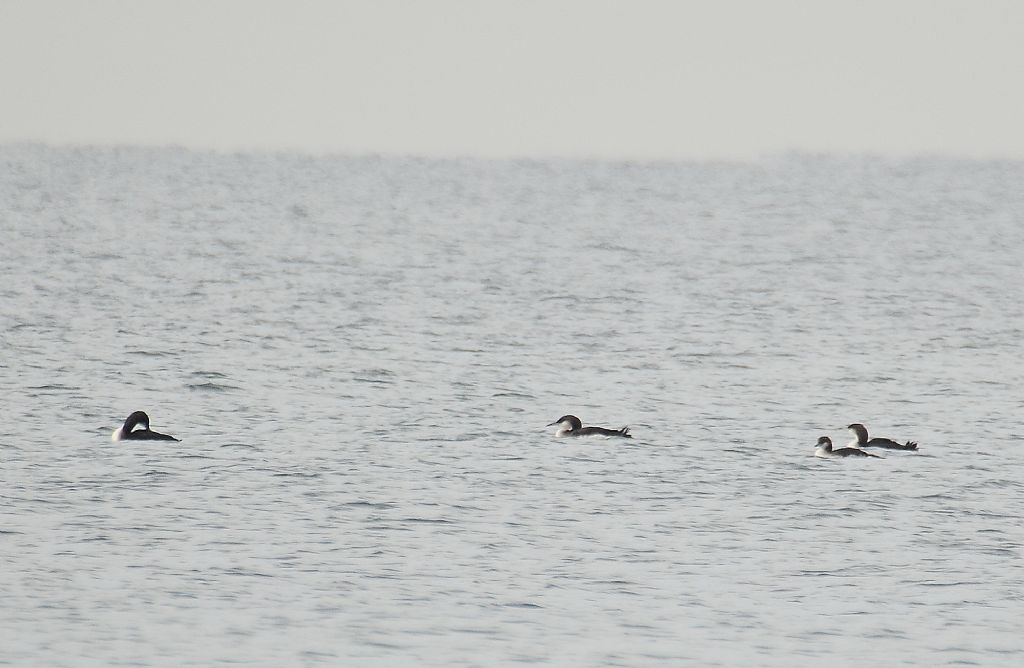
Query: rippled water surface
[359,356]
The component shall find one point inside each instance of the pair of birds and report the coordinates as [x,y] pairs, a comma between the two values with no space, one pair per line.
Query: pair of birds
[569,425]
[824,446]
[136,428]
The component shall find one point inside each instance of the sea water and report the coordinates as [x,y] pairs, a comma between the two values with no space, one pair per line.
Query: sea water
[360,355]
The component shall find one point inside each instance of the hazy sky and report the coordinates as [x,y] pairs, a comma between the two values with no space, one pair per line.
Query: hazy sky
[633,78]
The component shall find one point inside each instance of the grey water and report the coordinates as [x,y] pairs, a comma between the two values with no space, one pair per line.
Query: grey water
[360,355]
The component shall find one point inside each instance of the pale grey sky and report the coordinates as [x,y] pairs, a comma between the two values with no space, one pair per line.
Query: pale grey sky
[631,79]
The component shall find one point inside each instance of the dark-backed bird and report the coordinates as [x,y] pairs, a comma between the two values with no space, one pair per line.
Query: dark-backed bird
[570,425]
[128,431]
[861,432]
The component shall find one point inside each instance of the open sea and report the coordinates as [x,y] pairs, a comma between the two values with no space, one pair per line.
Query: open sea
[360,355]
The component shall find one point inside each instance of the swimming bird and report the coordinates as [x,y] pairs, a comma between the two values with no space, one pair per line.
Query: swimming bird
[128,432]
[570,425]
[863,442]
[824,449]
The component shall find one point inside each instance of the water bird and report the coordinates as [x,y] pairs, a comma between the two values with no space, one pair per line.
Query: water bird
[863,442]
[570,425]
[824,449]
[128,431]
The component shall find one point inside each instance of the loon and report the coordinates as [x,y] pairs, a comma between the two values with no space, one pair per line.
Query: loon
[126,433]
[570,425]
[863,442]
[824,449]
